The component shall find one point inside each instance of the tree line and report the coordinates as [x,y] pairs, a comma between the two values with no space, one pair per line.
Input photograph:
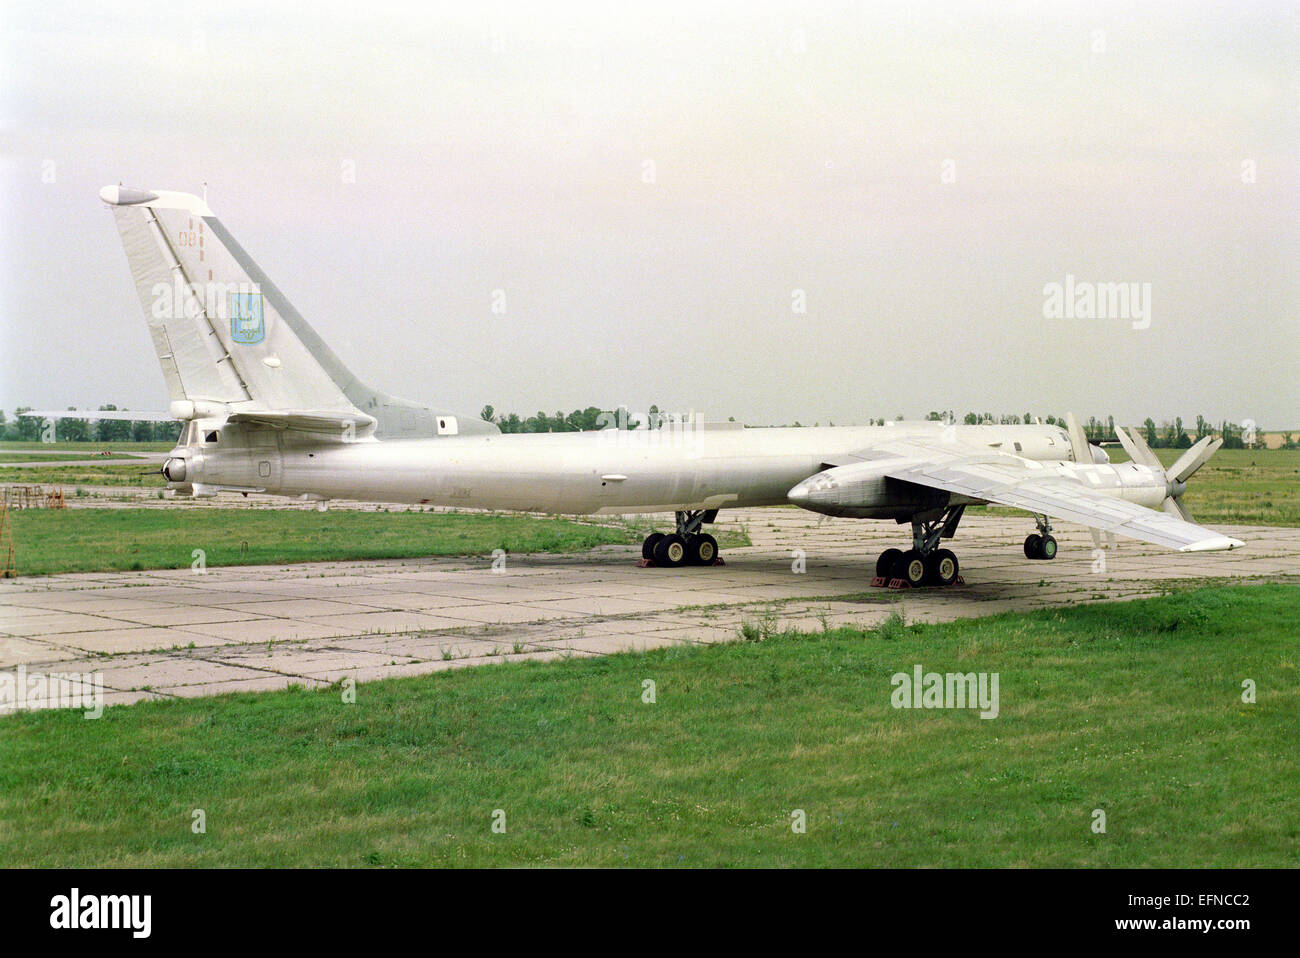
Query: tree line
[29,429]
[580,420]
[1169,434]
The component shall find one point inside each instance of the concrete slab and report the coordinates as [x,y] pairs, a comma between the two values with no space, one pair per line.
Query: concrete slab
[15,651]
[118,641]
[175,633]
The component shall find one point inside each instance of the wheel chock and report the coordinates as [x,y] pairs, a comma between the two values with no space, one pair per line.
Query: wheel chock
[650,563]
[880,582]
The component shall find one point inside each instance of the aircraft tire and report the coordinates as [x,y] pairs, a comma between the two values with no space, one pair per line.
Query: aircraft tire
[1047,548]
[911,567]
[941,567]
[1032,546]
[701,549]
[885,563]
[648,547]
[670,551]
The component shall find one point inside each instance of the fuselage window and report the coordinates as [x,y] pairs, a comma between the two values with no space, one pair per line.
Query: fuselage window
[211,437]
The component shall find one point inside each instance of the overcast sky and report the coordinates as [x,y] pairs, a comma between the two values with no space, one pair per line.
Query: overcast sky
[652,185]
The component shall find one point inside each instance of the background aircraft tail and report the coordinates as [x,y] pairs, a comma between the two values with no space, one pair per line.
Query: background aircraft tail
[228,339]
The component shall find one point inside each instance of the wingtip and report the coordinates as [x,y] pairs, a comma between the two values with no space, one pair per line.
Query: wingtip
[1217,544]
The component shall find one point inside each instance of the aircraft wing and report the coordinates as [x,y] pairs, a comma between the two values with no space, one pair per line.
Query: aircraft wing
[1010,481]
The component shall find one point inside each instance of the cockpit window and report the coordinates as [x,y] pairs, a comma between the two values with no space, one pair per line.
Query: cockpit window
[211,437]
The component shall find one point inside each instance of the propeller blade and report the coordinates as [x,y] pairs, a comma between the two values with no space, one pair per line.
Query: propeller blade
[1176,508]
[1129,446]
[1191,465]
[1144,457]
[1192,459]
[1078,441]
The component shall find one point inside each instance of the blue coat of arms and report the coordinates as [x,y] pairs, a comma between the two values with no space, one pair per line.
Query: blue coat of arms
[247,327]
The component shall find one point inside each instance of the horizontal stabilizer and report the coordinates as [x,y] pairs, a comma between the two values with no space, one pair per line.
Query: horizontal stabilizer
[319,421]
[127,415]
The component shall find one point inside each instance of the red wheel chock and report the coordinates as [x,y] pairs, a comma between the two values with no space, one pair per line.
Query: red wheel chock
[650,563]
[880,582]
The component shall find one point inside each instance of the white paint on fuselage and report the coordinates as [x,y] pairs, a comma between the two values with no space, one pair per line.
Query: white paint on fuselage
[674,468]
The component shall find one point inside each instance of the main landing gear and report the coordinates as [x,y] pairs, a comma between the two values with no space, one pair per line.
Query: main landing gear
[924,563]
[1041,545]
[687,546]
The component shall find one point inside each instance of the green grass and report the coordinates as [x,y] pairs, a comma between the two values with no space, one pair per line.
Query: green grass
[47,541]
[134,473]
[1246,486]
[87,447]
[1134,708]
[57,456]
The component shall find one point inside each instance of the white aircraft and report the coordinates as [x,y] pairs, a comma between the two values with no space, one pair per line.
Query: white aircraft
[270,409]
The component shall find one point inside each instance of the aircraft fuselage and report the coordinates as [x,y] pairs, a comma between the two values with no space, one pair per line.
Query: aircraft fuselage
[604,472]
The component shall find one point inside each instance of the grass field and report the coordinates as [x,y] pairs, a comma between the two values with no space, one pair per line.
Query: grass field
[47,457]
[93,540]
[87,447]
[1133,708]
[1242,486]
[136,472]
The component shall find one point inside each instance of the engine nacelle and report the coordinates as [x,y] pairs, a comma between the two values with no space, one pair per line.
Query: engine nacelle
[862,490]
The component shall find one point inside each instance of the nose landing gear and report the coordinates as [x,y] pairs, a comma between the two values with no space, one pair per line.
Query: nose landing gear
[1041,545]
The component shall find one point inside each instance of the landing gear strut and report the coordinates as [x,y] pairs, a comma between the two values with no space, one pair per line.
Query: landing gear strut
[924,563]
[687,546]
[1041,545]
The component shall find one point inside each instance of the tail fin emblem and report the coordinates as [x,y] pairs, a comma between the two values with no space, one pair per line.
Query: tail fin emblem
[247,327]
